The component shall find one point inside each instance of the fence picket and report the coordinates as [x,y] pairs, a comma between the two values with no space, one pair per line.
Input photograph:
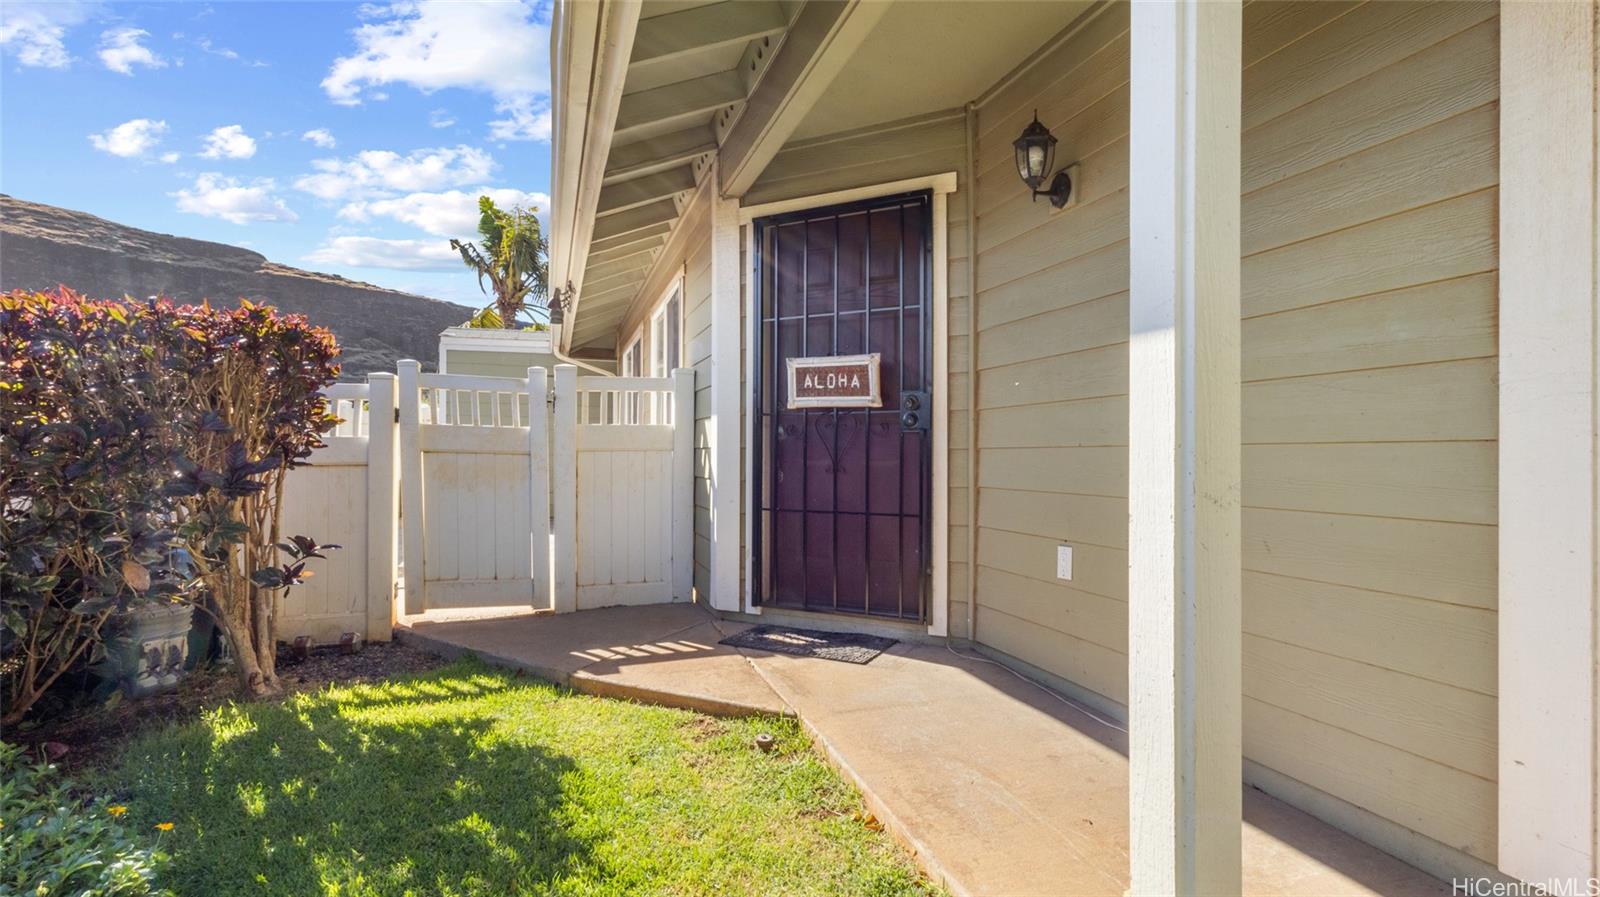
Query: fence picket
[383,505]
[564,486]
[539,486]
[412,510]
[683,484]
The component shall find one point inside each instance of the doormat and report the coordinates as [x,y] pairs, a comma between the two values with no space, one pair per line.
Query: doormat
[848,647]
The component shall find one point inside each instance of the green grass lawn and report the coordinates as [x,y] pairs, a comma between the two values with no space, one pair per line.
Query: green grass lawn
[468,780]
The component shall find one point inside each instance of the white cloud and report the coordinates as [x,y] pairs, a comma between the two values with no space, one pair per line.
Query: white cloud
[121,50]
[170,158]
[322,137]
[379,173]
[452,213]
[229,142]
[131,139]
[440,118]
[373,252]
[524,121]
[32,33]
[500,48]
[205,44]
[240,202]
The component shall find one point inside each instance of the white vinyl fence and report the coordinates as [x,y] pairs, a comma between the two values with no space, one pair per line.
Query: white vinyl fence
[478,492]
[347,494]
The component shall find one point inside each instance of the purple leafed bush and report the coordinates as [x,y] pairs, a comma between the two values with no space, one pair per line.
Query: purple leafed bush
[132,430]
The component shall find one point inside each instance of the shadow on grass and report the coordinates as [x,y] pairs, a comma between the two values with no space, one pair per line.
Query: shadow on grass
[406,788]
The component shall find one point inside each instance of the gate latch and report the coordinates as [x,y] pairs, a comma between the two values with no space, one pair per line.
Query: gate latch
[915,412]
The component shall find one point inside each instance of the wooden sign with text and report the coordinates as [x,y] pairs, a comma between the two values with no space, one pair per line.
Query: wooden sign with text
[842,381]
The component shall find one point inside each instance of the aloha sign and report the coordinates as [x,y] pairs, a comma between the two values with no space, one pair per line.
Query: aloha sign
[840,381]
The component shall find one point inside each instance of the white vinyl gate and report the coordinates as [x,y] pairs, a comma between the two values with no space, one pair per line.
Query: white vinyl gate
[470,455]
[487,476]
[628,465]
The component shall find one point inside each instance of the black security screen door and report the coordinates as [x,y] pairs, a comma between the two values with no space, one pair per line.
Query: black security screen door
[842,495]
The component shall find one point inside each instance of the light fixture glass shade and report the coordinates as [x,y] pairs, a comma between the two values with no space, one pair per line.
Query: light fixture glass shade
[1036,154]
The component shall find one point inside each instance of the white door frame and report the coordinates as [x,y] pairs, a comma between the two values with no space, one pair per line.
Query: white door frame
[941,186]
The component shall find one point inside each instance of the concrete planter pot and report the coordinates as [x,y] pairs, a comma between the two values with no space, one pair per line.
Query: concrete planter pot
[148,649]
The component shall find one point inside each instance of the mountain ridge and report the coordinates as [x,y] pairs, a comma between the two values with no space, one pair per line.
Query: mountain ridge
[42,246]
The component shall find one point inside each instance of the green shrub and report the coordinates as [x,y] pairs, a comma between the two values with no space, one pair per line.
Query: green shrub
[54,843]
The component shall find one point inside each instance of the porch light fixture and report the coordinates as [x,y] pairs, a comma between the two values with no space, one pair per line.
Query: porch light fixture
[558,304]
[1036,156]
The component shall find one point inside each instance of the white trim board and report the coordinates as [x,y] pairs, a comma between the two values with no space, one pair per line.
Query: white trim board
[1549,468]
[1184,543]
[941,186]
[722,429]
[495,340]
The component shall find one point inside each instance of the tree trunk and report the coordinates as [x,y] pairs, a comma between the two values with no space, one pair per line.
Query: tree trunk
[264,639]
[248,629]
[237,625]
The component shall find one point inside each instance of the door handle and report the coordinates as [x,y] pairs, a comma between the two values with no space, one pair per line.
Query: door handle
[914,416]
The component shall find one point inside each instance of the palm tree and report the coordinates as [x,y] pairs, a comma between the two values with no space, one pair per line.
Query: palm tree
[511,256]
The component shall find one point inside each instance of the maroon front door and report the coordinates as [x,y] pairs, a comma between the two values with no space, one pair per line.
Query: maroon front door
[842,495]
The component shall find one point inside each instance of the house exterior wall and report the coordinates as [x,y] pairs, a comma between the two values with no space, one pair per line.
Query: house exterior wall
[488,363]
[1369,399]
[1369,302]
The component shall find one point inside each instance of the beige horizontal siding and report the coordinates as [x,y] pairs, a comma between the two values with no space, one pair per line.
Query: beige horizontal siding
[1052,367]
[485,363]
[1369,299]
[697,341]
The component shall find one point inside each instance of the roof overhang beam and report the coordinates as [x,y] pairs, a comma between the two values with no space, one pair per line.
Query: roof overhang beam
[676,106]
[679,34]
[643,191]
[813,52]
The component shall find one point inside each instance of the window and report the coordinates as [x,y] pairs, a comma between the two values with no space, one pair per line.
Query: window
[631,360]
[666,334]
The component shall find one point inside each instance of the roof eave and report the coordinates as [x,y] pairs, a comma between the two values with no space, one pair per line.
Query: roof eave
[591,45]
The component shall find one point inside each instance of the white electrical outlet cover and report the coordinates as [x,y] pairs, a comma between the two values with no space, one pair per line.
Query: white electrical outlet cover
[1063,561]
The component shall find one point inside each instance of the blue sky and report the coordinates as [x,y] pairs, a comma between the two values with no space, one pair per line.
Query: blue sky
[352,138]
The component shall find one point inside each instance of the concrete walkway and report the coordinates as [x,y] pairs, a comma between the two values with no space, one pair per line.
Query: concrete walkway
[998,785]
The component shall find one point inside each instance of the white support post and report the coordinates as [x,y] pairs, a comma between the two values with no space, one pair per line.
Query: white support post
[1549,471]
[727,543]
[683,484]
[539,486]
[413,515]
[383,505]
[564,486]
[1183,454]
